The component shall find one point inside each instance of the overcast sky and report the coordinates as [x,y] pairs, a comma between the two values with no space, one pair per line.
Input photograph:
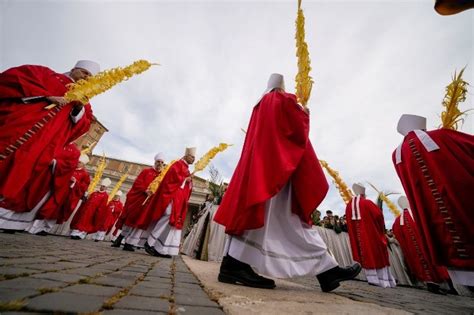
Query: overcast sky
[372,61]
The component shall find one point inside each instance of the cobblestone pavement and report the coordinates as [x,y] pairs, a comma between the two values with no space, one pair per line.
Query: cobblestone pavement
[414,300]
[56,274]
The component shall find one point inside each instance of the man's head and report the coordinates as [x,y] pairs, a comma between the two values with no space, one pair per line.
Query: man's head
[329,213]
[403,202]
[358,189]
[118,195]
[276,82]
[104,184]
[189,155]
[407,123]
[83,160]
[159,161]
[84,69]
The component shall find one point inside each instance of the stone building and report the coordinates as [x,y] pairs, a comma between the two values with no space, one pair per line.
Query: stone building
[115,168]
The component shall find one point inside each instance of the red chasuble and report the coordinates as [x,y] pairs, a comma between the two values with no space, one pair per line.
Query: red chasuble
[415,252]
[172,190]
[114,209]
[367,235]
[79,184]
[91,215]
[37,133]
[135,197]
[276,151]
[66,163]
[439,186]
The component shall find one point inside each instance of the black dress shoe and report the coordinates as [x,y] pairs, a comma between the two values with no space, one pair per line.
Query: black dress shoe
[42,233]
[128,247]
[435,288]
[152,251]
[118,241]
[329,280]
[9,231]
[234,271]
[75,237]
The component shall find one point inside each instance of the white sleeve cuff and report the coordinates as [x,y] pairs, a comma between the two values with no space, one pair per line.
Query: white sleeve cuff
[79,115]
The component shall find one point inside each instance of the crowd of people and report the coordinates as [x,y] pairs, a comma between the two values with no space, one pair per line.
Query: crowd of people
[269,203]
[330,221]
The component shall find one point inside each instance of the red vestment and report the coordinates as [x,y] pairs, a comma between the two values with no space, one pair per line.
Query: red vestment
[79,187]
[415,252]
[135,197]
[367,235]
[66,163]
[276,150]
[92,214]
[172,190]
[439,186]
[114,209]
[40,142]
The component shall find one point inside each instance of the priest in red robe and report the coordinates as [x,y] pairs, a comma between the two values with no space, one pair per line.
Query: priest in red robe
[159,227]
[114,209]
[134,203]
[436,169]
[406,232]
[267,207]
[58,177]
[30,134]
[366,228]
[78,185]
[92,214]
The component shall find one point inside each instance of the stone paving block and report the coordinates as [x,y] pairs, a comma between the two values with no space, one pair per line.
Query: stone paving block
[30,283]
[142,303]
[124,275]
[141,269]
[198,310]
[31,260]
[131,312]
[154,285]
[160,273]
[91,289]
[185,299]
[157,279]
[196,292]
[42,267]
[56,276]
[150,292]
[65,302]
[188,285]
[115,282]
[89,272]
[15,294]
[70,264]
[183,278]
[14,270]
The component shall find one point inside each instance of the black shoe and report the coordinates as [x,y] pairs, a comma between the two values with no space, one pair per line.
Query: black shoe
[435,288]
[128,247]
[152,251]
[9,231]
[75,237]
[329,280]
[118,241]
[234,271]
[42,233]
[96,240]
